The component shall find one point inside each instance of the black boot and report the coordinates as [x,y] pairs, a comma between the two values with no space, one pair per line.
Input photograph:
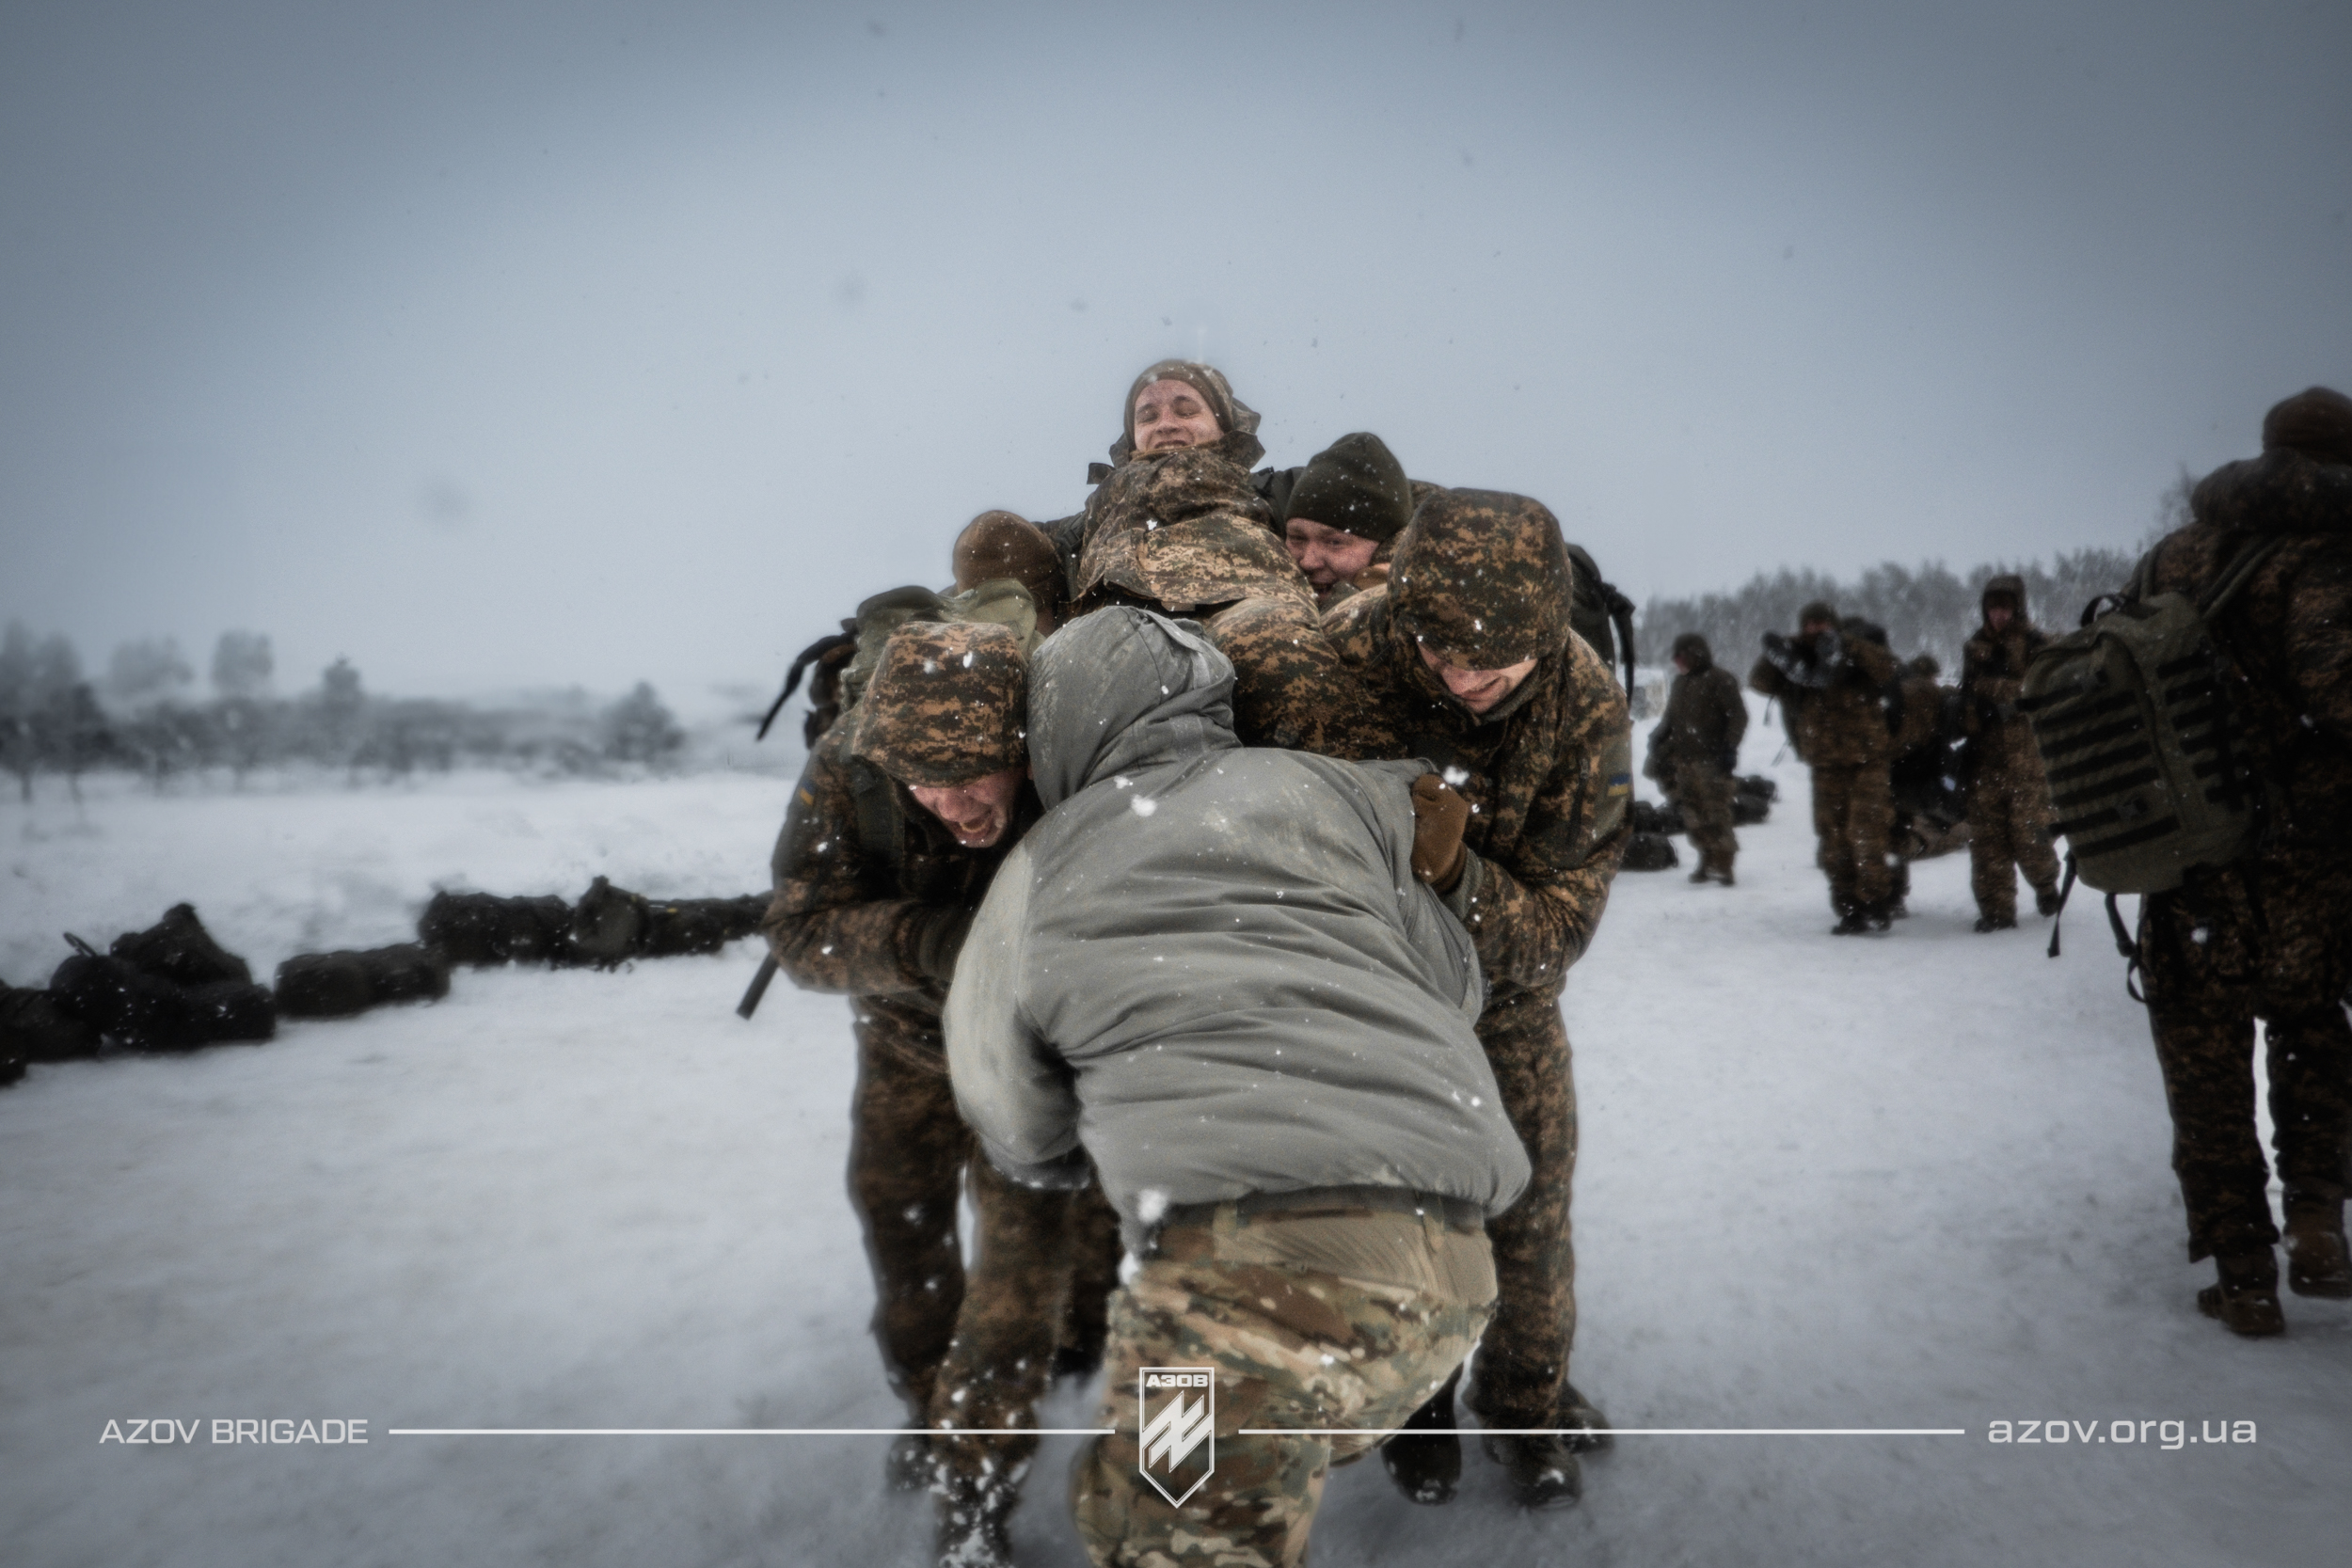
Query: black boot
[1544,1472]
[2318,1260]
[1584,1428]
[1425,1459]
[2046,901]
[2246,1298]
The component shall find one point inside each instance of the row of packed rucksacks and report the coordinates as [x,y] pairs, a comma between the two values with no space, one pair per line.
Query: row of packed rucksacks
[173,987]
[1652,846]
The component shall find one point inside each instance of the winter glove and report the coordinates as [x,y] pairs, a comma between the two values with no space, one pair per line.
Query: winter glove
[1439,816]
[930,940]
[1729,760]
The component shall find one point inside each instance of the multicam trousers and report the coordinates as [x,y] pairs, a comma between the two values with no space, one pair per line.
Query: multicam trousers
[1703,792]
[1853,814]
[2269,939]
[1308,1322]
[2008,832]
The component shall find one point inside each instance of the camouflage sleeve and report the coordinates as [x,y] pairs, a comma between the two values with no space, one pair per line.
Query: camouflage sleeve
[1532,908]
[2319,641]
[1735,713]
[826,927]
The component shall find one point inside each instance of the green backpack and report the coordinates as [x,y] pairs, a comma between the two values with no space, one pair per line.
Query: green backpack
[2139,738]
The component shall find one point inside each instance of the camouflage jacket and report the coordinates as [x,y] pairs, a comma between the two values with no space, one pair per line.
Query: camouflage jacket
[1550,776]
[1992,677]
[1706,717]
[1183,530]
[1843,724]
[855,865]
[2289,633]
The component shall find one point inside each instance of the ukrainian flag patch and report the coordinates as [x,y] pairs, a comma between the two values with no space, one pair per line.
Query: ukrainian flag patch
[1620,784]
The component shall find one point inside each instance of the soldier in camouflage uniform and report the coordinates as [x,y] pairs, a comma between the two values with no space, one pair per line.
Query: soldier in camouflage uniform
[903,815]
[2269,937]
[1178,524]
[1341,513]
[1284,1099]
[1842,697]
[1706,717]
[1469,662]
[2008,799]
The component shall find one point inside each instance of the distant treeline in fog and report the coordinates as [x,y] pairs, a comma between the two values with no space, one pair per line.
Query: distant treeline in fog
[1928,609]
[145,714]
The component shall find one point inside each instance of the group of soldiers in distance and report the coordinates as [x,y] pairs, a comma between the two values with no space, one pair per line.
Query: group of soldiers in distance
[1205,867]
[1904,767]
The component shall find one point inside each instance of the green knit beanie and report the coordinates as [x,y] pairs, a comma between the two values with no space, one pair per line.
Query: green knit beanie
[1354,485]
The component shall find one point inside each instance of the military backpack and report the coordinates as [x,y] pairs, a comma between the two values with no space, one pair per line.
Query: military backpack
[2139,738]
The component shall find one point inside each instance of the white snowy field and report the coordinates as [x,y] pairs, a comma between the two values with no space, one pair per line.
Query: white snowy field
[1910,1181]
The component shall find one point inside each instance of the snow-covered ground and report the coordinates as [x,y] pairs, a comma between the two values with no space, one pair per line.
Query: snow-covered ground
[1911,1181]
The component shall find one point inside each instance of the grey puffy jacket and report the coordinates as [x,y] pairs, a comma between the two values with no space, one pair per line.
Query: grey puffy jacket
[1211,965]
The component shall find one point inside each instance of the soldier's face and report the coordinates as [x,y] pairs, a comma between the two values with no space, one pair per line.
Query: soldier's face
[978,810]
[1327,555]
[1169,414]
[1812,630]
[1477,689]
[1998,617]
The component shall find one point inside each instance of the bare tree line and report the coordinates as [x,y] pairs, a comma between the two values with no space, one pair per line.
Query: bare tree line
[143,716]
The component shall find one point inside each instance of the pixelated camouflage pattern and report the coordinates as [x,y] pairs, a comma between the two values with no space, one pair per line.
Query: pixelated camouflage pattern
[1523,1359]
[1482,576]
[1182,532]
[1289,688]
[1549,773]
[2009,797]
[1923,709]
[845,911]
[947,703]
[2271,937]
[2270,940]
[1844,726]
[1854,819]
[1702,792]
[1706,717]
[1291,1348]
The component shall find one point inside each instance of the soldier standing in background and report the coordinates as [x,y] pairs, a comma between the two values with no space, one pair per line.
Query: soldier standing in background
[1467,662]
[2008,799]
[902,818]
[2269,936]
[1842,695]
[1706,717]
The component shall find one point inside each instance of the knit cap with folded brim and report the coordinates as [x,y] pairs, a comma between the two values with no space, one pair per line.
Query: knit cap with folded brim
[946,705]
[1354,485]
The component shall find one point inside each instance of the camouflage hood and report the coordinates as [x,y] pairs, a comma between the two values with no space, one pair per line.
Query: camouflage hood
[1692,650]
[2010,586]
[1124,689]
[1240,443]
[1483,577]
[945,703]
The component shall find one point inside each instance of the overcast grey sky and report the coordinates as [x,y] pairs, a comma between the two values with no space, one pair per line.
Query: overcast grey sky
[495,345]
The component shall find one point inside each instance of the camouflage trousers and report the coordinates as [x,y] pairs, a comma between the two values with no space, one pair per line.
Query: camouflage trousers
[2270,940]
[964,1348]
[1703,792]
[1853,815]
[2008,832]
[1306,1321]
[1523,1359]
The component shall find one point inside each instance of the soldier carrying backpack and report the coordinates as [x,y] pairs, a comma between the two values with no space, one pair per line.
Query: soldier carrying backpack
[2231,814]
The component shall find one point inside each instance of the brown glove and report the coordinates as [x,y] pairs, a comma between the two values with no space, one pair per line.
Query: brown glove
[932,939]
[1439,815]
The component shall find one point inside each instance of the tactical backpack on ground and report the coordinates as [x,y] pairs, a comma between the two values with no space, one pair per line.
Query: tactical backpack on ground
[146,1009]
[346,983]
[2139,740]
[611,926]
[483,929]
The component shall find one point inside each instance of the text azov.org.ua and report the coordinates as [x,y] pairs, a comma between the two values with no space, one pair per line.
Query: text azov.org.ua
[2159,1434]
